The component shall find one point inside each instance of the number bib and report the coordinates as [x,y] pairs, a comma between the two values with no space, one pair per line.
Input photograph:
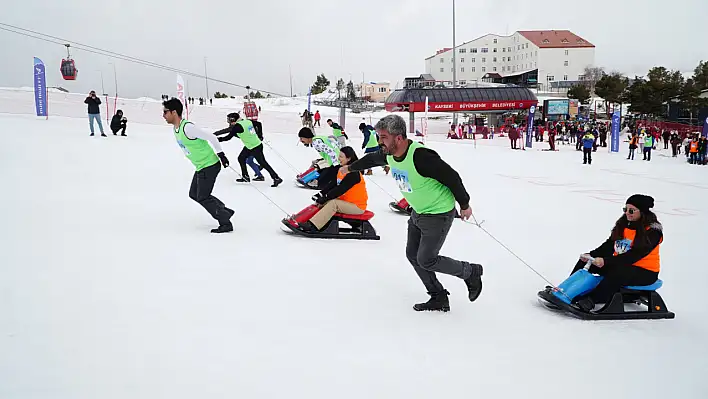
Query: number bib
[622,246]
[184,149]
[401,178]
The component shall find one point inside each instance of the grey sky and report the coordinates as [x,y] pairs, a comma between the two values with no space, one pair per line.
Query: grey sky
[253,42]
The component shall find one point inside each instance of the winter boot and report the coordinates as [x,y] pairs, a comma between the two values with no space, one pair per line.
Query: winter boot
[438,302]
[586,304]
[223,228]
[244,179]
[259,178]
[474,282]
[276,182]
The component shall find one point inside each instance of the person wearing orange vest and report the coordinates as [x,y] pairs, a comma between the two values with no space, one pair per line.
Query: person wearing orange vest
[345,195]
[693,151]
[630,256]
[632,146]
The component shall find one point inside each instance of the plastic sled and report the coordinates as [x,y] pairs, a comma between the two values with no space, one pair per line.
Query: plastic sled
[580,283]
[359,226]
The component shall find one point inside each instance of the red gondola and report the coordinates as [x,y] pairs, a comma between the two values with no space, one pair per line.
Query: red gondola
[250,109]
[68,68]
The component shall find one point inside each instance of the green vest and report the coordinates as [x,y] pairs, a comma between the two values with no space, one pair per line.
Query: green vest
[248,137]
[326,156]
[336,132]
[372,143]
[425,195]
[197,150]
[648,141]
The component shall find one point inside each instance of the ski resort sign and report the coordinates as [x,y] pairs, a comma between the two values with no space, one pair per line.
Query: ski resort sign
[462,106]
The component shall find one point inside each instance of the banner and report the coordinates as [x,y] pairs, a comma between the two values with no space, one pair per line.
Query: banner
[425,120]
[40,88]
[309,98]
[615,132]
[705,127]
[181,97]
[529,127]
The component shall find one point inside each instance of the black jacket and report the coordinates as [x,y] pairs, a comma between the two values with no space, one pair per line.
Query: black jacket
[93,105]
[429,164]
[636,253]
[333,190]
[115,123]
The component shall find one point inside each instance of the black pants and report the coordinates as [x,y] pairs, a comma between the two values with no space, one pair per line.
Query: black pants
[616,277]
[666,144]
[647,153]
[674,149]
[122,127]
[200,191]
[587,155]
[426,236]
[603,139]
[257,153]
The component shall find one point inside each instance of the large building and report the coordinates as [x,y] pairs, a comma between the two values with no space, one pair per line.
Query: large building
[376,92]
[547,58]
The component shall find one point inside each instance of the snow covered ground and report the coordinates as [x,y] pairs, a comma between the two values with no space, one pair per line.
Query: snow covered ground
[111,285]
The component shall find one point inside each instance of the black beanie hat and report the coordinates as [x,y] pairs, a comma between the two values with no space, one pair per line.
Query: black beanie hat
[234,116]
[362,126]
[306,133]
[642,202]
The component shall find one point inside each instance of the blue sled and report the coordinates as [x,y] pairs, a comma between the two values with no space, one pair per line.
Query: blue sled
[582,282]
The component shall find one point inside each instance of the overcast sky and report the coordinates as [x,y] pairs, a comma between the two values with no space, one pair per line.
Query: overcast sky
[254,42]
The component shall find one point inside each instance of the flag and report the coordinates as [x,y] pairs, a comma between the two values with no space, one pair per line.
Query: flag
[425,121]
[40,88]
[180,95]
[705,128]
[529,127]
[309,97]
[615,134]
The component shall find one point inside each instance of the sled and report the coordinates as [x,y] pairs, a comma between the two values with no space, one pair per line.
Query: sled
[360,227]
[401,207]
[651,304]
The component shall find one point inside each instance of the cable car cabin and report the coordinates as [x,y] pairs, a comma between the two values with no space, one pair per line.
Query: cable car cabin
[250,109]
[68,69]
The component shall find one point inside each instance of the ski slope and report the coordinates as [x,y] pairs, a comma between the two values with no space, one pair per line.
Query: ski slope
[111,285]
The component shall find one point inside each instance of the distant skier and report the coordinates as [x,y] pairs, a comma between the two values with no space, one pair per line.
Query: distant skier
[338,133]
[195,144]
[252,146]
[431,187]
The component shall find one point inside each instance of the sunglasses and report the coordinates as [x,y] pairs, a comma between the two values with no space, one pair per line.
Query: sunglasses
[631,211]
[165,111]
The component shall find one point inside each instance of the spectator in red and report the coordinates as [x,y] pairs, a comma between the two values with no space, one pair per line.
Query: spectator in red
[317,118]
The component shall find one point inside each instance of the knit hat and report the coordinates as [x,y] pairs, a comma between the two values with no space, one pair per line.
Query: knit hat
[306,133]
[362,126]
[642,202]
[234,116]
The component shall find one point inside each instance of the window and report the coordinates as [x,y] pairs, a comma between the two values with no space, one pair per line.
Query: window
[442,60]
[503,59]
[546,41]
[484,59]
[494,69]
[581,77]
[495,59]
[527,45]
[503,49]
[462,69]
[495,42]
[463,83]
[474,60]
[565,63]
[510,49]
[494,50]
[382,90]
[485,50]
[564,41]
[462,60]
[550,78]
[452,69]
[536,53]
[503,69]
[566,52]
[463,50]
[474,50]
[473,69]
[442,69]
[565,77]
[581,41]
[484,69]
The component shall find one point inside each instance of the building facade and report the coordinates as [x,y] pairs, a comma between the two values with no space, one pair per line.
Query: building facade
[532,58]
[376,92]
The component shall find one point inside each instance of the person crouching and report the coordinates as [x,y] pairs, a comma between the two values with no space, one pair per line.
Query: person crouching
[347,194]
[119,122]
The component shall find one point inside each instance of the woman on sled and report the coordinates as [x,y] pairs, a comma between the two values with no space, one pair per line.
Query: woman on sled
[347,195]
[629,257]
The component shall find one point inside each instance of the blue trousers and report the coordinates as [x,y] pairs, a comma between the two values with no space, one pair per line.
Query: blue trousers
[251,161]
[97,117]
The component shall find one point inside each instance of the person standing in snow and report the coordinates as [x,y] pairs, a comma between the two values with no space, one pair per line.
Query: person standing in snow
[252,147]
[588,146]
[94,111]
[206,159]
[317,118]
[648,145]
[431,187]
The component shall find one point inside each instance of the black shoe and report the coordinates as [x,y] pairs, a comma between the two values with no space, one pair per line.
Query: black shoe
[124,135]
[224,228]
[259,178]
[103,135]
[585,304]
[438,302]
[276,182]
[91,135]
[308,227]
[244,179]
[474,282]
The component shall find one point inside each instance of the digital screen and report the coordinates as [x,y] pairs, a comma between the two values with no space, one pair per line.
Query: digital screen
[557,107]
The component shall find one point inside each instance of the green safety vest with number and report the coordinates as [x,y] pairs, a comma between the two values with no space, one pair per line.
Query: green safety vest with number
[198,151]
[648,141]
[372,143]
[248,137]
[330,161]
[425,195]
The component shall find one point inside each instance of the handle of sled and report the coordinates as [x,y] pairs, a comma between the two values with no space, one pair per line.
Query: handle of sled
[588,260]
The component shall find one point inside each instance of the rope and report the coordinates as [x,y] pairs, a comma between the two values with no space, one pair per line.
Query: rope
[266,142]
[259,190]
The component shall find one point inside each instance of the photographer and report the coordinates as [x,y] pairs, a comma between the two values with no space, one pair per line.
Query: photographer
[119,122]
[94,112]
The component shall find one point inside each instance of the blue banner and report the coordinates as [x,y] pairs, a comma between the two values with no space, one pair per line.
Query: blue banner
[705,127]
[40,87]
[309,97]
[615,132]
[529,127]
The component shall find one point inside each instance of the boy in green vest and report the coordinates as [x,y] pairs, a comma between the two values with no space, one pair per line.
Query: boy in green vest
[338,133]
[431,187]
[195,144]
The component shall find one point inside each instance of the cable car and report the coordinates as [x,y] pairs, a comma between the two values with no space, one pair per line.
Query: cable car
[68,68]
[250,109]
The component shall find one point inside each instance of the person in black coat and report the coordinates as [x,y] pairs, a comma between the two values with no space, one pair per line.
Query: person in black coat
[118,122]
[94,111]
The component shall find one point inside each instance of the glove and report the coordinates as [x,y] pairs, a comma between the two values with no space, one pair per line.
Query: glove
[224,160]
[319,198]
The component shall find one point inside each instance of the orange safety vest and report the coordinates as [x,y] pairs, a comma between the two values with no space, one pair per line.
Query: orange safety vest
[634,140]
[650,262]
[357,195]
[694,146]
